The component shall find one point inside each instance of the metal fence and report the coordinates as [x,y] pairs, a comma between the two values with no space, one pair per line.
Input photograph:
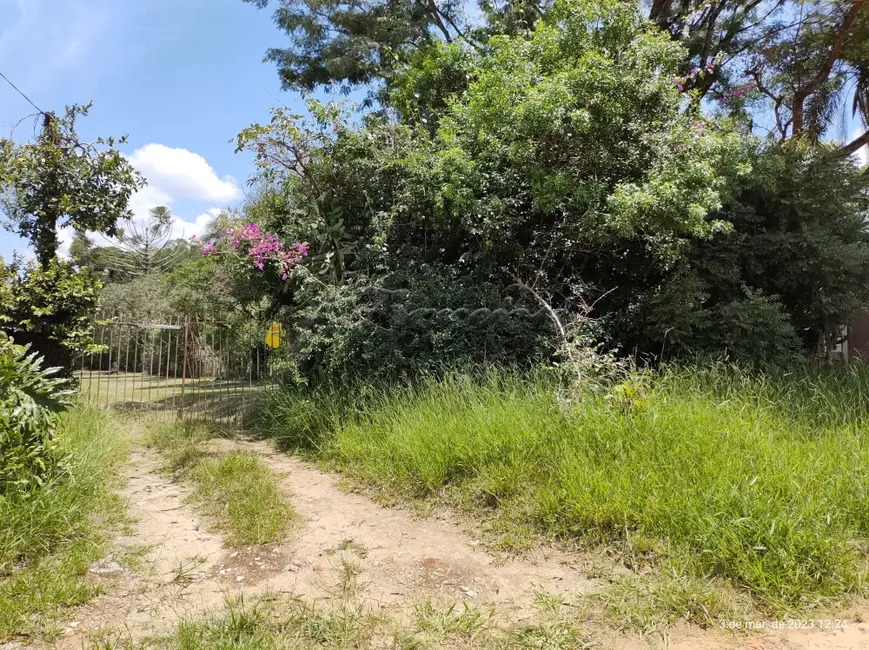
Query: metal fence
[176,367]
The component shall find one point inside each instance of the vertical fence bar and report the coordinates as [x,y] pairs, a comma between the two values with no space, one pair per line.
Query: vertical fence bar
[258,351]
[184,368]
[169,361]
[150,353]
[119,389]
[111,379]
[195,363]
[249,363]
[91,372]
[159,360]
[100,372]
[227,365]
[231,387]
[215,371]
[127,362]
[195,356]
[216,388]
[143,353]
[81,375]
[233,363]
[205,376]
[226,408]
[175,366]
[135,372]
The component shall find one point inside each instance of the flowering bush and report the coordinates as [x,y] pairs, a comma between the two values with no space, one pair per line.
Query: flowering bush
[733,95]
[260,247]
[696,73]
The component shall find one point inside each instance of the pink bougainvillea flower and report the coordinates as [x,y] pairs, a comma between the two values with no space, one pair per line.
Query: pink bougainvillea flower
[262,248]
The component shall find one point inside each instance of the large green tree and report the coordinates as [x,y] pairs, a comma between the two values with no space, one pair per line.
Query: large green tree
[346,44]
[58,180]
[786,65]
[575,148]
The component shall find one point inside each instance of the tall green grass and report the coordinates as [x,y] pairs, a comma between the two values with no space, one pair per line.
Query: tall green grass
[718,473]
[49,536]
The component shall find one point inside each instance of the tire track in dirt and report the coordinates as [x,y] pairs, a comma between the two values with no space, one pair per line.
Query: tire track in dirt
[401,560]
[170,556]
[406,558]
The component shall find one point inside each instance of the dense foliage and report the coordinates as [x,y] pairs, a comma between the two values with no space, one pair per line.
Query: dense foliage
[30,400]
[789,64]
[50,308]
[564,160]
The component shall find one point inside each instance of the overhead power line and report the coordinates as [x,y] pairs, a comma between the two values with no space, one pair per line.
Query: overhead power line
[18,90]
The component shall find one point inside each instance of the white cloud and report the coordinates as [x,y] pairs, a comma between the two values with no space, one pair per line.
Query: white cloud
[172,175]
[65,237]
[186,229]
[175,175]
[182,174]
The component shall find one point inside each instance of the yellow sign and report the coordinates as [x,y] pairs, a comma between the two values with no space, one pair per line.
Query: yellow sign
[273,338]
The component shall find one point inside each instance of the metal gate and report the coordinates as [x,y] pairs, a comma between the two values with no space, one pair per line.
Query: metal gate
[176,367]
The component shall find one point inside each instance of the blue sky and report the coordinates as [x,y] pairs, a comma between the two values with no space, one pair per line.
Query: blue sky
[181,77]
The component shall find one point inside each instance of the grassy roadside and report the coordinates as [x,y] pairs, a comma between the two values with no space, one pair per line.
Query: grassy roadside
[236,491]
[50,536]
[729,485]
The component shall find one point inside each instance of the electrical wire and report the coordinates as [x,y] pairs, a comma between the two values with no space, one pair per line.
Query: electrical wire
[30,101]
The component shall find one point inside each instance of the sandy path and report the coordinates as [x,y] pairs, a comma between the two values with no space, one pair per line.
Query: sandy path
[409,559]
[400,559]
[405,558]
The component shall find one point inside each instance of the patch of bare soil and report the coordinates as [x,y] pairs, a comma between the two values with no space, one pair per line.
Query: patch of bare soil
[404,558]
[170,568]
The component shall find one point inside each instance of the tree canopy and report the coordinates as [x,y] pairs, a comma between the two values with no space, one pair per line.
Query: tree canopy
[788,66]
[592,151]
[58,181]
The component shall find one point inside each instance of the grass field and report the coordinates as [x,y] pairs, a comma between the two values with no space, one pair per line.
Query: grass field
[50,536]
[707,475]
[220,399]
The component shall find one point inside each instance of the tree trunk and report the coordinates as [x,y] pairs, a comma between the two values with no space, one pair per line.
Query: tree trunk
[45,241]
[45,237]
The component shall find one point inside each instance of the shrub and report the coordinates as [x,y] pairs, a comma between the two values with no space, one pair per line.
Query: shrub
[50,308]
[30,400]
[50,534]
